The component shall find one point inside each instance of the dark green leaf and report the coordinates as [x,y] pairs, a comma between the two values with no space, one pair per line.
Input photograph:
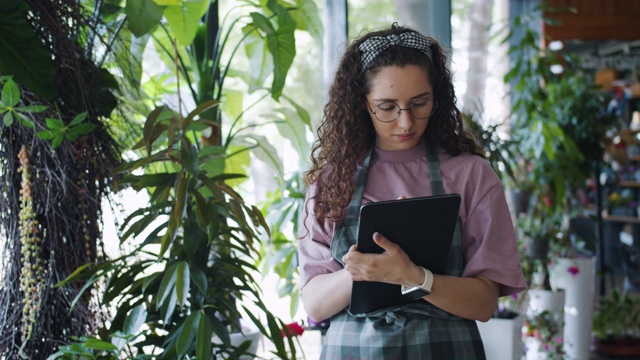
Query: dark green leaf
[149,125]
[71,137]
[200,280]
[189,157]
[83,129]
[169,307]
[203,339]
[199,110]
[167,285]
[142,16]
[96,344]
[188,333]
[193,237]
[23,55]
[182,282]
[282,46]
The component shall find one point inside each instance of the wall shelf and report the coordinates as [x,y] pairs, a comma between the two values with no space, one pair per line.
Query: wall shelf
[620,218]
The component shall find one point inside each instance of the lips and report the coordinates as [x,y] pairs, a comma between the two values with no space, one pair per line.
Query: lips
[405,137]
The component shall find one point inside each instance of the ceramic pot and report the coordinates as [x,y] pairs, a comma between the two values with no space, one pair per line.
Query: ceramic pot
[502,337]
[577,277]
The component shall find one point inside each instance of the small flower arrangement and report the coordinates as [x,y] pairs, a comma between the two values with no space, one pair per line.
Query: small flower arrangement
[622,203]
[618,199]
[546,327]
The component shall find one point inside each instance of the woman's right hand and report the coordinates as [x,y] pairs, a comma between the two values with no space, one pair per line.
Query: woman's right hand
[392,266]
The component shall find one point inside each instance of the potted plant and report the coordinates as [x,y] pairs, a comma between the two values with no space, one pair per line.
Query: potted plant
[560,120]
[191,277]
[616,326]
[502,334]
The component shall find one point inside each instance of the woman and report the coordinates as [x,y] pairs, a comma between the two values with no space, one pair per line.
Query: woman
[391,129]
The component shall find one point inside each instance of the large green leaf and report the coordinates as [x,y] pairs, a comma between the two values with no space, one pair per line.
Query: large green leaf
[260,62]
[184,19]
[294,130]
[23,55]
[282,45]
[308,18]
[267,153]
[142,16]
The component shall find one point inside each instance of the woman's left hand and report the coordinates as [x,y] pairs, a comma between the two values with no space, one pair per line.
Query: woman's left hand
[393,265]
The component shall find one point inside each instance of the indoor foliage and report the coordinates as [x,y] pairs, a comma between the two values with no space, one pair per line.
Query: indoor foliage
[50,196]
[57,53]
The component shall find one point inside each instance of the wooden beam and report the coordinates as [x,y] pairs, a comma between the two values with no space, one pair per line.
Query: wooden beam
[595,20]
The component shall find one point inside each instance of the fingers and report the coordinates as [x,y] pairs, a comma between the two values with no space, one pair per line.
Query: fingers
[383,242]
[402,197]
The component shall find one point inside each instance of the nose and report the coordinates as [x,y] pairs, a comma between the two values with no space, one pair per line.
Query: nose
[405,120]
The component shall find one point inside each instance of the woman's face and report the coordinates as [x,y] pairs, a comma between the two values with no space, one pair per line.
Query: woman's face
[407,86]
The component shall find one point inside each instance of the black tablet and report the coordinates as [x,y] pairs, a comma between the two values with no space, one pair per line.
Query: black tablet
[423,227]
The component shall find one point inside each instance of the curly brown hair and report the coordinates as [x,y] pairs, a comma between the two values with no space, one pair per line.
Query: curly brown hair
[346,132]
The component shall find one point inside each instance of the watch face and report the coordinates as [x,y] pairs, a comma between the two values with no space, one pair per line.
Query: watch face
[415,292]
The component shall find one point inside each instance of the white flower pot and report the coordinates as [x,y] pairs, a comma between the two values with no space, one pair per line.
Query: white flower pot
[577,277]
[502,338]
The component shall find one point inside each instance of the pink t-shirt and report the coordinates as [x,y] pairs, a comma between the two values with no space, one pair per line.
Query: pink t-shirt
[488,237]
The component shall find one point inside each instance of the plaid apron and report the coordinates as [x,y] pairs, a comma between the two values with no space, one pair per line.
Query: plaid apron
[414,331]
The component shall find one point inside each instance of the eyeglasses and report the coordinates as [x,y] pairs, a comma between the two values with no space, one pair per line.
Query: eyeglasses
[388,111]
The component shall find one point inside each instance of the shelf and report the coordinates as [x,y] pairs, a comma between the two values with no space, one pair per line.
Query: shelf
[629,184]
[620,218]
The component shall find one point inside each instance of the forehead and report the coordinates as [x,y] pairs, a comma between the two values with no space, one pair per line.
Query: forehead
[395,82]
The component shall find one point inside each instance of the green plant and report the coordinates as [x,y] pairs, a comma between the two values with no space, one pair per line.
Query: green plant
[194,264]
[9,105]
[279,255]
[559,120]
[206,242]
[119,346]
[617,316]
[48,70]
[58,131]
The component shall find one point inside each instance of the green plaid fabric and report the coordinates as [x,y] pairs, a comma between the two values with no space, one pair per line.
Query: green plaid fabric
[414,331]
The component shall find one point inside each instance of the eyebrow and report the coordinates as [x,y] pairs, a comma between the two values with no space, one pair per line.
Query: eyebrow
[421,95]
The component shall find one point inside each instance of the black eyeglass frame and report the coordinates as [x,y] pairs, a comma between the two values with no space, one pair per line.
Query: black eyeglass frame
[433,111]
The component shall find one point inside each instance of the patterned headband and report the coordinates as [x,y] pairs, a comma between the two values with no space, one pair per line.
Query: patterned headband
[376,45]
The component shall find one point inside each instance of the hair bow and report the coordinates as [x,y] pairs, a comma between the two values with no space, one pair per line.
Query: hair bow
[376,45]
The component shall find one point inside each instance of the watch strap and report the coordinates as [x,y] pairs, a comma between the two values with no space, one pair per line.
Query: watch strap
[428,279]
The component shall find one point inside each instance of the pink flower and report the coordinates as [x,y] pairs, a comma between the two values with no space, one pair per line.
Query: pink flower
[293,329]
[574,270]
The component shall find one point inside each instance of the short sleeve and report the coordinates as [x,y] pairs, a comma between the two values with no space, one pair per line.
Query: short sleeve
[491,248]
[314,247]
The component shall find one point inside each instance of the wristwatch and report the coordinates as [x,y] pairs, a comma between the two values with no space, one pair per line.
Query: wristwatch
[416,292]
